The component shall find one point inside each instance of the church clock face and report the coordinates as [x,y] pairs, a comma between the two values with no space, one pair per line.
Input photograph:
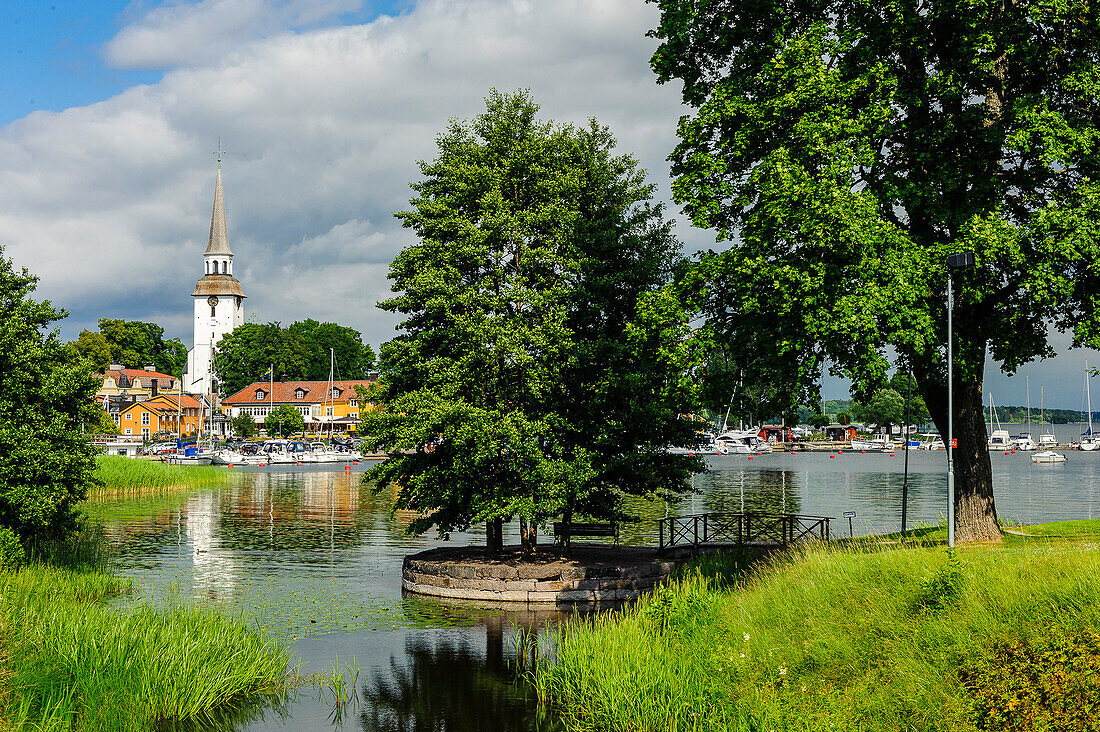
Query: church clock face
[212,301]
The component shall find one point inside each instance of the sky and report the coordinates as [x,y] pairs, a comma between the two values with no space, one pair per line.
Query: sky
[110,112]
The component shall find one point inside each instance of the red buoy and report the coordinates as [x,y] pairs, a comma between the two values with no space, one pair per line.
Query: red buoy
[832,456]
[347,467]
[891,454]
[750,457]
[230,465]
[354,462]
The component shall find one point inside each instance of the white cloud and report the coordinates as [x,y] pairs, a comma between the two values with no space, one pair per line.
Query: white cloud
[200,34]
[110,203]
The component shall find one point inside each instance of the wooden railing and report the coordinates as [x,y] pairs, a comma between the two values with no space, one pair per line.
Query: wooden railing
[782,529]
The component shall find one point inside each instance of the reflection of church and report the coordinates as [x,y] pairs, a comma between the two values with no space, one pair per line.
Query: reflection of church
[218,301]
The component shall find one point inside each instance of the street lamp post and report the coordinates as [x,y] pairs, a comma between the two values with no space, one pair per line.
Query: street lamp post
[958,260]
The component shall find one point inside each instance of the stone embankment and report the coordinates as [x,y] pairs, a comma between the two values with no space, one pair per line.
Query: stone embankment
[588,573]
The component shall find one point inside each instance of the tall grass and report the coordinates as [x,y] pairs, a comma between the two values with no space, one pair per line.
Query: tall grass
[69,660]
[126,476]
[822,639]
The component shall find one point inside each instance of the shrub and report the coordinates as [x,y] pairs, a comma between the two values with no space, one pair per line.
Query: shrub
[1050,683]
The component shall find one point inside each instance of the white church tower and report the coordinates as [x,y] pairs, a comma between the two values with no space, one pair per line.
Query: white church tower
[219,300]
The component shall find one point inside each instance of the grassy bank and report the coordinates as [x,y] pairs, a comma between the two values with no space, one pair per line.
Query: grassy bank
[69,661]
[126,476]
[908,638]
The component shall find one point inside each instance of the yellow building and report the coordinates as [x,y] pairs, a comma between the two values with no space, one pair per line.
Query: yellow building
[164,412]
[139,383]
[319,407]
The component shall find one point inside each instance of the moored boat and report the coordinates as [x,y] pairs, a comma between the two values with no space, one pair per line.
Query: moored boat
[1048,456]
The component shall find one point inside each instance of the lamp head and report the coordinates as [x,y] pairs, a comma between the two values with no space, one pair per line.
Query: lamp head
[960,260]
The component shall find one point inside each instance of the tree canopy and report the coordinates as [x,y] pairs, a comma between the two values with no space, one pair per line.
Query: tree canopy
[539,370]
[283,420]
[299,352]
[131,343]
[845,148]
[46,393]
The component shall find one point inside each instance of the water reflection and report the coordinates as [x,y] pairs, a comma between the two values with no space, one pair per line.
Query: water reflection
[455,682]
[314,558]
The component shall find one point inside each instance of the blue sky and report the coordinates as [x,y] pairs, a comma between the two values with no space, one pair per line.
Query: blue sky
[54,56]
[109,112]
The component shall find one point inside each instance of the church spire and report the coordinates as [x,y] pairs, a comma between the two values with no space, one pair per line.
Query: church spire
[219,234]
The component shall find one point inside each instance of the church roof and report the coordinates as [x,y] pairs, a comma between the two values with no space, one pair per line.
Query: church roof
[219,233]
[218,285]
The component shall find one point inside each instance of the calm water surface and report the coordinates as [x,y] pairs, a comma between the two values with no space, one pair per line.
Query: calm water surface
[311,557]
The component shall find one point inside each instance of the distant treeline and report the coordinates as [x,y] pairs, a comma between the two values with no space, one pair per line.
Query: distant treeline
[1054,416]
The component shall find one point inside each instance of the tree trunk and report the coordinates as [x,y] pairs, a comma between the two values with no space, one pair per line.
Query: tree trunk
[567,520]
[528,535]
[494,536]
[975,510]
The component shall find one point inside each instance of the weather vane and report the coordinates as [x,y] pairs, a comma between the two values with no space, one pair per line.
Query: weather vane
[219,152]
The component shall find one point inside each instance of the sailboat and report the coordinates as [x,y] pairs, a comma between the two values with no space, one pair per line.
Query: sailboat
[998,439]
[1047,440]
[1090,441]
[1024,442]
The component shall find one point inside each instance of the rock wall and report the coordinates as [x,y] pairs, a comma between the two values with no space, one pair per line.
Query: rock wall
[555,582]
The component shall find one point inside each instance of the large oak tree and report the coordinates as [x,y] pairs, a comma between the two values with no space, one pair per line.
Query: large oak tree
[844,147]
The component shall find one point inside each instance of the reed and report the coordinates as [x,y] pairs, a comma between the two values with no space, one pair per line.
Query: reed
[125,476]
[69,659]
[823,638]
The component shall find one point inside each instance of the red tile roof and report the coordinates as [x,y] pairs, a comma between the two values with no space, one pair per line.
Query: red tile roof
[142,375]
[316,392]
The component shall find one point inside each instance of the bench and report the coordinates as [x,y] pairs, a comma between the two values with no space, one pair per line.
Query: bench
[574,529]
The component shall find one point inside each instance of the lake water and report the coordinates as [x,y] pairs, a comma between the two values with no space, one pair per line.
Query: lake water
[310,556]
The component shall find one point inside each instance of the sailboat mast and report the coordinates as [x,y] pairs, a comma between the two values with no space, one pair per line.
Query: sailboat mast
[1028,382]
[1088,397]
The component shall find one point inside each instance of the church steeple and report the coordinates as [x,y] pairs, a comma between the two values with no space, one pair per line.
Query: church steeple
[218,297]
[219,232]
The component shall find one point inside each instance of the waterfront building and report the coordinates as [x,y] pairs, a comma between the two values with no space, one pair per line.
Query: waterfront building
[119,381]
[218,300]
[163,413]
[319,407]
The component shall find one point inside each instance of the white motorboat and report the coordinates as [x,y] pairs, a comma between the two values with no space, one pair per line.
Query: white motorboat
[225,456]
[1048,456]
[877,444]
[322,453]
[1000,440]
[742,442]
[931,441]
[1024,442]
[276,453]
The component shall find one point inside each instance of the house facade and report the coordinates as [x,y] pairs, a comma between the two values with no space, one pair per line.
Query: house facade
[320,409]
[164,412]
[140,383]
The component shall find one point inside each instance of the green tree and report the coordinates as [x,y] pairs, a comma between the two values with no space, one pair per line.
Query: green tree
[902,382]
[540,368]
[818,421]
[299,352]
[885,409]
[244,425]
[848,148]
[46,395]
[93,346]
[135,344]
[283,420]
